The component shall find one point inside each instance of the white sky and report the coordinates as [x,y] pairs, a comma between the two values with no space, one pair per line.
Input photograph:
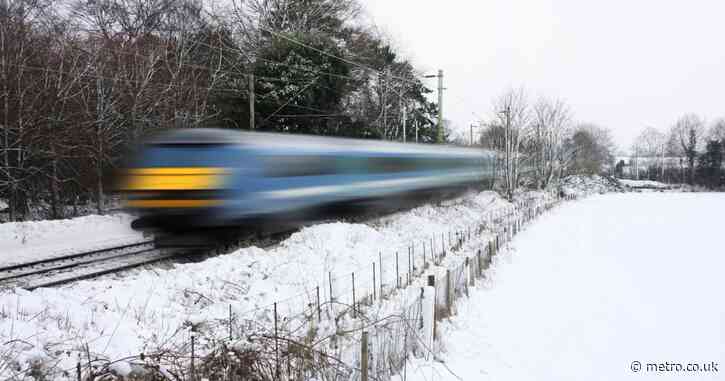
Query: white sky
[622,64]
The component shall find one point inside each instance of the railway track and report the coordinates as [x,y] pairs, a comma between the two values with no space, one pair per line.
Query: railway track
[69,268]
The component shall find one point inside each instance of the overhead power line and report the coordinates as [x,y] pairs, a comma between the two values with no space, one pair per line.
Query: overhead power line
[172,85]
[310,115]
[357,64]
[223,48]
[85,73]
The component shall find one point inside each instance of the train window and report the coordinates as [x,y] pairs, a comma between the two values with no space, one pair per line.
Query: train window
[186,154]
[318,165]
[299,165]
[393,164]
[443,163]
[351,164]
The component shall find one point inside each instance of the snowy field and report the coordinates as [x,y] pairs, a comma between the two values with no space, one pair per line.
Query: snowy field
[607,288]
[27,241]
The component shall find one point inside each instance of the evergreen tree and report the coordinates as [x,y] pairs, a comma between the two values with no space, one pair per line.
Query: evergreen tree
[709,166]
[619,169]
[299,89]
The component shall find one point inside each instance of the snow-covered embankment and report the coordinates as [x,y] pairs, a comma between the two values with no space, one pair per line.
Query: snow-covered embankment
[154,310]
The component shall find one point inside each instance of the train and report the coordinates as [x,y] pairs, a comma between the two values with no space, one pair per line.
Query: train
[207,178]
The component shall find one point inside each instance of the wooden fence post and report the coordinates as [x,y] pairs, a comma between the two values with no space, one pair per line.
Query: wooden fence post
[471,273]
[192,358]
[364,357]
[329,277]
[432,283]
[374,285]
[230,322]
[354,312]
[319,310]
[397,272]
[410,267]
[380,254]
[449,292]
[276,345]
[425,261]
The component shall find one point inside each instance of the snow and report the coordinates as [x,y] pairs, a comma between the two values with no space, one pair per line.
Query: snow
[121,368]
[26,241]
[592,287]
[643,184]
[582,185]
[144,310]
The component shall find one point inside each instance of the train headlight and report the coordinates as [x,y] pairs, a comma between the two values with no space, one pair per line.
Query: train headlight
[175,179]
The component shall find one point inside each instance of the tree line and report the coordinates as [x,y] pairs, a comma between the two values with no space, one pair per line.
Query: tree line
[82,80]
[541,142]
[689,152]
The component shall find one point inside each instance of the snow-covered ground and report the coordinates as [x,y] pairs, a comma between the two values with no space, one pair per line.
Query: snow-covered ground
[26,241]
[636,184]
[582,185]
[149,309]
[607,288]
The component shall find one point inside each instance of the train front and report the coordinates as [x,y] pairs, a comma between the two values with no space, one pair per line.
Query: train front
[184,179]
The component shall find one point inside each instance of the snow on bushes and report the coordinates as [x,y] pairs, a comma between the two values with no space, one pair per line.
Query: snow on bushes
[581,185]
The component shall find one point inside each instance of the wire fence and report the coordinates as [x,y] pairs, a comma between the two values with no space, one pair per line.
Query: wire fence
[358,326]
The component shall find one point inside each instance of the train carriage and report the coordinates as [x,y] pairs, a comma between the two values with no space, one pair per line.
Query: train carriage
[214,177]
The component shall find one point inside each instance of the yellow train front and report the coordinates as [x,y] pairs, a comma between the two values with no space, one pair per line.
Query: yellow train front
[206,178]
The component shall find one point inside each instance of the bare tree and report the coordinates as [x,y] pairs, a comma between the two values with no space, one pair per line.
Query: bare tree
[650,143]
[550,126]
[591,149]
[512,112]
[252,19]
[717,131]
[22,60]
[687,134]
[326,16]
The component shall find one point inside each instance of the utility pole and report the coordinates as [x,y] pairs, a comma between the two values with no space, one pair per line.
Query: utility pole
[385,101]
[251,101]
[636,162]
[471,134]
[404,119]
[440,106]
[508,152]
[662,171]
[439,128]
[415,121]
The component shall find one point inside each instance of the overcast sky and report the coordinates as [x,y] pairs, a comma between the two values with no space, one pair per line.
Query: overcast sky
[622,64]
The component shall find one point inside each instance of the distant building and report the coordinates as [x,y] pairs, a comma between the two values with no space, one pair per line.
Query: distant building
[636,167]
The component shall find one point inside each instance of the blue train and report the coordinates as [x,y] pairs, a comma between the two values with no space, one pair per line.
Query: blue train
[213,177]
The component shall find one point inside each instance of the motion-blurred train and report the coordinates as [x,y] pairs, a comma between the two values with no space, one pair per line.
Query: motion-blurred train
[192,178]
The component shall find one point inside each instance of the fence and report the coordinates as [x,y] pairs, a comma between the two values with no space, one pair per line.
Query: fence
[358,326]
